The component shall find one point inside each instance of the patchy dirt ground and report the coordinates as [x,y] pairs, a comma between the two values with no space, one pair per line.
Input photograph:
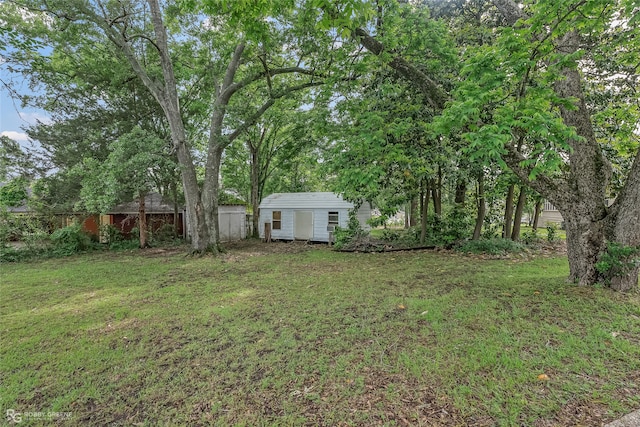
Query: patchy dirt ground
[258,247]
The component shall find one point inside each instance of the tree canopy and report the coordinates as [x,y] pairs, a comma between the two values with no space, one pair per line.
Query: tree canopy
[389,101]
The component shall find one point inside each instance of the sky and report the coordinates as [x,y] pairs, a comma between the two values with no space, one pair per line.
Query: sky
[13,117]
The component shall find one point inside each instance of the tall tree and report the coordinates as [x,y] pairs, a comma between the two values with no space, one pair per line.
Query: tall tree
[523,98]
[134,167]
[268,151]
[154,42]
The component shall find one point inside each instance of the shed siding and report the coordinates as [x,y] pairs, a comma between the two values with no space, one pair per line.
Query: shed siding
[286,231]
[318,203]
[364,214]
[232,222]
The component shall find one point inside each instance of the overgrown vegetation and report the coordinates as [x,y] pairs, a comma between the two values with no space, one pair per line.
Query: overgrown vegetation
[27,238]
[618,260]
[353,236]
[288,334]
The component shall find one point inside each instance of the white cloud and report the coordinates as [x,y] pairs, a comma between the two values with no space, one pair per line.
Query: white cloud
[16,136]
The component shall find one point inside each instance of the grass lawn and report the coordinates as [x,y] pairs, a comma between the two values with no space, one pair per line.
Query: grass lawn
[290,334]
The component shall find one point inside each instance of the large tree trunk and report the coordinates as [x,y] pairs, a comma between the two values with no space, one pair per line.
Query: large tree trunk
[255,189]
[196,221]
[423,216]
[142,221]
[517,217]
[413,212]
[482,208]
[585,241]
[508,213]
[626,228]
[211,196]
[461,192]
[436,195]
[174,194]
[536,215]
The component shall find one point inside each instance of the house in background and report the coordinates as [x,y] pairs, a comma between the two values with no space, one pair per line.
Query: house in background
[158,212]
[231,218]
[307,216]
[549,215]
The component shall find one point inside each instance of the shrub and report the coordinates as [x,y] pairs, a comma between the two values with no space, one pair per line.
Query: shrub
[354,231]
[110,234]
[552,232]
[166,233]
[407,237]
[390,235]
[618,260]
[452,227]
[10,254]
[70,240]
[529,237]
[124,244]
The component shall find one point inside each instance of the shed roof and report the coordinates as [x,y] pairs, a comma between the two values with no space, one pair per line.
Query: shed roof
[305,200]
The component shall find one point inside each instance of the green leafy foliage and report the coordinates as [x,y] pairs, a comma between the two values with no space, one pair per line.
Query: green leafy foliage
[354,232]
[618,260]
[409,237]
[70,240]
[14,193]
[529,237]
[552,232]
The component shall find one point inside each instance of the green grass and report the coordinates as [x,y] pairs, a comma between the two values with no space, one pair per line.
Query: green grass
[314,338]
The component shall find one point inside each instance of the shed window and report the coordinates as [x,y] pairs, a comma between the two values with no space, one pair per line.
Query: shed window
[333,218]
[276,221]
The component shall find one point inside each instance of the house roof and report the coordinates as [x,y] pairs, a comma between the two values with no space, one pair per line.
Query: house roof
[153,205]
[305,200]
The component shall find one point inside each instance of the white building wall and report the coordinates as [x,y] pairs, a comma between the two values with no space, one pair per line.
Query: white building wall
[320,222]
[318,203]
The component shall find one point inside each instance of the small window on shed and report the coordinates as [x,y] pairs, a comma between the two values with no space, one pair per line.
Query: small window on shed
[276,221]
[333,218]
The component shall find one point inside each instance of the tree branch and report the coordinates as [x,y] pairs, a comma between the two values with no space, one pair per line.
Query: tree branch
[434,94]
[254,118]
[230,90]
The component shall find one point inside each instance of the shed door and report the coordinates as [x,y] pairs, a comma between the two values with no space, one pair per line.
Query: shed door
[303,225]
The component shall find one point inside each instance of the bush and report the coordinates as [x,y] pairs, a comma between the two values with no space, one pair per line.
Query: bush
[452,227]
[552,232]
[10,254]
[124,245]
[529,237]
[354,231]
[618,260]
[390,235]
[110,234]
[166,233]
[70,240]
[491,246]
[408,237]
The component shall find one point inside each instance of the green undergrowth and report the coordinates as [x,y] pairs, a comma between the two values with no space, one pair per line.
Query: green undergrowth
[314,338]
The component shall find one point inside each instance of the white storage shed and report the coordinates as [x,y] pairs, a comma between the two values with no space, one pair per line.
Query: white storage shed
[307,216]
[232,222]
